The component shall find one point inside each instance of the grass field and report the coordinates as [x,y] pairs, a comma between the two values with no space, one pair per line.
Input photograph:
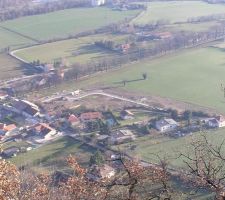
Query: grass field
[177,11]
[63,23]
[149,146]
[193,76]
[55,154]
[73,51]
[9,67]
[13,40]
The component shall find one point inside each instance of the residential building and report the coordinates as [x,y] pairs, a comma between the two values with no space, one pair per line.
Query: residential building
[10,152]
[166,124]
[90,116]
[217,122]
[26,108]
[44,131]
[74,120]
[126,114]
[121,136]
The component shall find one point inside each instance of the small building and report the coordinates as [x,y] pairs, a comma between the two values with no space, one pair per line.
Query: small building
[97,173]
[25,108]
[126,115]
[217,122]
[3,95]
[95,3]
[90,116]
[165,125]
[44,131]
[121,136]
[45,67]
[73,120]
[10,152]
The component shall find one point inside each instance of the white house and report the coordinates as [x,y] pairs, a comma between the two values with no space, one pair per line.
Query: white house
[166,124]
[217,122]
[97,2]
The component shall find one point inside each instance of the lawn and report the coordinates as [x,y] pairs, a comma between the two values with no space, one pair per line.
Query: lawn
[192,76]
[66,22]
[13,40]
[192,27]
[9,67]
[177,11]
[54,154]
[148,147]
[72,51]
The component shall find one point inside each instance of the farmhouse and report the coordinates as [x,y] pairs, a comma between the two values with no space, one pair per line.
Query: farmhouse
[217,122]
[166,124]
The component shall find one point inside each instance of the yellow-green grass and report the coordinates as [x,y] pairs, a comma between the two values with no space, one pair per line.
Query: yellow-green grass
[72,51]
[149,147]
[66,22]
[193,76]
[13,40]
[191,27]
[177,11]
[52,156]
[9,67]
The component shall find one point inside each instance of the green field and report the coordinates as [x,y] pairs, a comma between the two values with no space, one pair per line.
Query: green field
[72,51]
[148,147]
[193,76]
[177,11]
[9,67]
[13,40]
[66,22]
[53,156]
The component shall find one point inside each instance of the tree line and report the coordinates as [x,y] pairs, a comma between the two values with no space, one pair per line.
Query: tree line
[12,11]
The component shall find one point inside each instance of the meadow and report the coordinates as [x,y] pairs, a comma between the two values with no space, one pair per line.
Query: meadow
[177,11]
[10,67]
[150,147]
[13,40]
[55,154]
[79,50]
[194,76]
[66,22]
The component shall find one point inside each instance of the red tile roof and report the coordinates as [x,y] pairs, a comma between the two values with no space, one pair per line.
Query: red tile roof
[91,116]
[73,119]
[10,127]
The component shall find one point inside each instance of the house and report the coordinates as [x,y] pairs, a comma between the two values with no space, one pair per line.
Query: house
[163,35]
[3,95]
[97,2]
[125,47]
[26,108]
[217,122]
[166,124]
[121,136]
[90,116]
[74,120]
[45,67]
[44,131]
[97,173]
[126,114]
[10,152]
